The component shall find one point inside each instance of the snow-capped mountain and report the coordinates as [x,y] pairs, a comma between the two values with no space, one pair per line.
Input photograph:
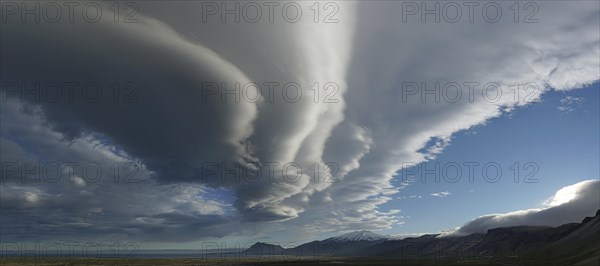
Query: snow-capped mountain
[358,236]
[343,245]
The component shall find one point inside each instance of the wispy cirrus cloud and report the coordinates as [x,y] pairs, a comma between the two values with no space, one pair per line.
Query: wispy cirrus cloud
[569,103]
[442,194]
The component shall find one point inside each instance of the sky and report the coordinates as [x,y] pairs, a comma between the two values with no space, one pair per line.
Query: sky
[170,124]
[570,132]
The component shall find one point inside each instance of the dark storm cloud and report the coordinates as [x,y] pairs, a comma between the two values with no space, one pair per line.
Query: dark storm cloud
[168,126]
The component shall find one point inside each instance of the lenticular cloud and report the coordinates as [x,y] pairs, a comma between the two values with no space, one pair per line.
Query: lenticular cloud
[362,127]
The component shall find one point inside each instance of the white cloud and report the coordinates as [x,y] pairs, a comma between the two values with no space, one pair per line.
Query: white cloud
[565,109]
[410,197]
[569,204]
[441,194]
[569,104]
[571,100]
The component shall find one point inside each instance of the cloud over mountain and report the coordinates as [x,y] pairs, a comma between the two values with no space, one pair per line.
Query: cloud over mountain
[568,205]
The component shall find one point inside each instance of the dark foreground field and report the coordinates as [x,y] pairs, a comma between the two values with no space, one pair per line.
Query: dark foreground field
[201,262]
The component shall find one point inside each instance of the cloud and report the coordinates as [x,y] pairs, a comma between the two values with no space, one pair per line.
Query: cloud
[571,100]
[174,128]
[569,205]
[410,197]
[41,204]
[170,130]
[441,194]
[505,53]
[569,104]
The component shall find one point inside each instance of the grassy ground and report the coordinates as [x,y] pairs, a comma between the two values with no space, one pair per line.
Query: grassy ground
[201,262]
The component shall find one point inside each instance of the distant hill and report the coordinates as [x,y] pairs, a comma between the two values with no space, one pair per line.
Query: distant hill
[568,244]
[264,249]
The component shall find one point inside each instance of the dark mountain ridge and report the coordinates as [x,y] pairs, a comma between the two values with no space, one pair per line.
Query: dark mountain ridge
[568,244]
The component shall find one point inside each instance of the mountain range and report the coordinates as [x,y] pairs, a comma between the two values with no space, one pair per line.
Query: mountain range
[568,244]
